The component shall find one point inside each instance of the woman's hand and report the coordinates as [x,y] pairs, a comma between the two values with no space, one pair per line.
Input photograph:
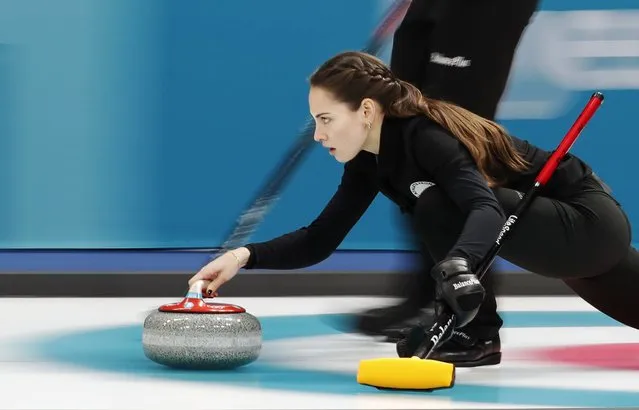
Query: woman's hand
[220,270]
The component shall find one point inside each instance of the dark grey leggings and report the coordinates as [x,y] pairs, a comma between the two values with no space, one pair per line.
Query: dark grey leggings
[583,240]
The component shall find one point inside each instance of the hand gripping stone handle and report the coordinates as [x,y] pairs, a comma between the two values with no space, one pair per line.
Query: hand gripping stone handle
[193,302]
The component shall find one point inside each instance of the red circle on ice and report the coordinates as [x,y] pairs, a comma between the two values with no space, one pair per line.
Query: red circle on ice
[621,356]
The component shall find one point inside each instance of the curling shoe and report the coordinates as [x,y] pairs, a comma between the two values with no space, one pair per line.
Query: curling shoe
[397,331]
[376,321]
[463,350]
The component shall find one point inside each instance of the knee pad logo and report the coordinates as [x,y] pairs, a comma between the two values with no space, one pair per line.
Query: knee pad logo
[420,186]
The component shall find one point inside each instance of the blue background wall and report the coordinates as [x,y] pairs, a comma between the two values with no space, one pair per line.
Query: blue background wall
[131,123]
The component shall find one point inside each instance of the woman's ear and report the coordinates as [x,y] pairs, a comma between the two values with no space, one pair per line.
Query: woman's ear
[367,108]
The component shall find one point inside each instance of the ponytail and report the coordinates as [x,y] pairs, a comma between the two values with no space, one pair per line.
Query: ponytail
[486,140]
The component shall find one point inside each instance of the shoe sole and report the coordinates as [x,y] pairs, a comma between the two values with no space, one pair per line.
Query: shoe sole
[489,360]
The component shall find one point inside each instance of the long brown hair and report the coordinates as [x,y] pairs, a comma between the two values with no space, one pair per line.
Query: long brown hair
[352,76]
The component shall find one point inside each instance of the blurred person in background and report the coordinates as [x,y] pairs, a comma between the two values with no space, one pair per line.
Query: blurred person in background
[459,51]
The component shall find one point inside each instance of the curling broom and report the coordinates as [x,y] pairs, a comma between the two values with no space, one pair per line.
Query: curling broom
[418,372]
[267,196]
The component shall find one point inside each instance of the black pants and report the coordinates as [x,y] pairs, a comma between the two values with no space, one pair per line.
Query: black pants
[583,239]
[461,50]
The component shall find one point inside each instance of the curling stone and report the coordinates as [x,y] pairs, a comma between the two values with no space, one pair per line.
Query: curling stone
[195,334]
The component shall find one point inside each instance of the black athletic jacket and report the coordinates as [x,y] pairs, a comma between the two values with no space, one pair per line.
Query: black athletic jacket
[413,151]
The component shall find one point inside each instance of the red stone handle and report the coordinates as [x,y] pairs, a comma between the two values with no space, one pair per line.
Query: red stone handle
[194,302]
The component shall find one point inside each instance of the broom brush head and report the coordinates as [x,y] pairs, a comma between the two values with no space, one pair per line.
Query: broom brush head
[408,373]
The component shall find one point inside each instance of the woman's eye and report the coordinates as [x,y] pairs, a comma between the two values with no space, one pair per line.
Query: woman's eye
[325,120]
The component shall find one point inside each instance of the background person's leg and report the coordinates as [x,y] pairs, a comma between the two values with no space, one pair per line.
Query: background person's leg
[409,59]
[473,46]
[412,41]
[417,291]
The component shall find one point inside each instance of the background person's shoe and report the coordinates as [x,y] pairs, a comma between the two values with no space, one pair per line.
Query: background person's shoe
[376,321]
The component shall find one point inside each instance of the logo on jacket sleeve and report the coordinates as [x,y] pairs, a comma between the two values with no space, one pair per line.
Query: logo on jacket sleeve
[420,186]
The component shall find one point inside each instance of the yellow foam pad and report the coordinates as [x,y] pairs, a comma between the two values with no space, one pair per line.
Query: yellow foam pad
[406,373]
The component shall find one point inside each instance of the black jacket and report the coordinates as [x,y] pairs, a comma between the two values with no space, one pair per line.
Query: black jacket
[413,154]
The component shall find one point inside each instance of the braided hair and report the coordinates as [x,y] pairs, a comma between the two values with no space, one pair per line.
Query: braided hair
[353,76]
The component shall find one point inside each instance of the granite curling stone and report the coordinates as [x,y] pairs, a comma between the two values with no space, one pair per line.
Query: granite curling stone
[194,334]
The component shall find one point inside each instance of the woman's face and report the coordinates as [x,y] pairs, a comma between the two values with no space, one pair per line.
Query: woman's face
[338,128]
